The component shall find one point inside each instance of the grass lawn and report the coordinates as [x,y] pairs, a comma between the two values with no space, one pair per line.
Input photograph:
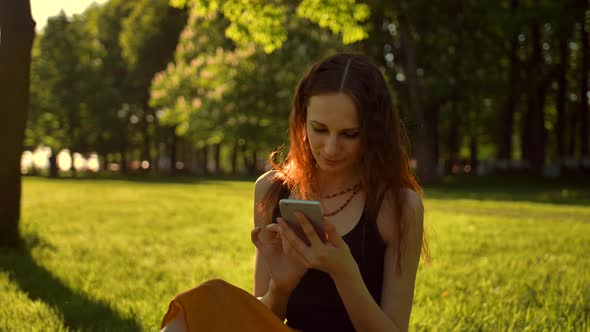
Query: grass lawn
[107,254]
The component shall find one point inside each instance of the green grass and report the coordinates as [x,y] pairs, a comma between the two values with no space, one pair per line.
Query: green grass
[106,254]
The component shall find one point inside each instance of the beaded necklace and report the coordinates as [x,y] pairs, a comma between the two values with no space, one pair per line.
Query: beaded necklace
[355,189]
[349,189]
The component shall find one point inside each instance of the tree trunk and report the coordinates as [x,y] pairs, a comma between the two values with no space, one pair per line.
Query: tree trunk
[534,134]
[73,166]
[432,117]
[53,168]
[205,159]
[105,161]
[424,137]
[473,152]
[254,162]
[18,32]
[234,158]
[123,145]
[247,162]
[173,149]
[217,156]
[145,149]
[560,98]
[571,146]
[453,139]
[507,124]
[123,162]
[583,117]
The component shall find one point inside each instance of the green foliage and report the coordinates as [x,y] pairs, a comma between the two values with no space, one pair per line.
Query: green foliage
[256,21]
[264,23]
[62,60]
[218,90]
[339,16]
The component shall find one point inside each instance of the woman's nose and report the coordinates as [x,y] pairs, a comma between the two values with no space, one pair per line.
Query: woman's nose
[331,146]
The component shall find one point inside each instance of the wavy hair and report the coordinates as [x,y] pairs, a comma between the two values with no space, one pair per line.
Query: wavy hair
[384,163]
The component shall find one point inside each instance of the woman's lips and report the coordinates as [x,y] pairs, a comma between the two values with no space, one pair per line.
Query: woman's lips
[332,161]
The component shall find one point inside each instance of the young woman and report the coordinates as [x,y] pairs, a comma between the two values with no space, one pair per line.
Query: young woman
[347,151]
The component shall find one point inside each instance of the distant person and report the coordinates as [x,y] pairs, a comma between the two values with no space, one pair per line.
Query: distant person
[347,151]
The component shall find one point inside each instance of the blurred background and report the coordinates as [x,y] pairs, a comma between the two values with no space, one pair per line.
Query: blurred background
[201,87]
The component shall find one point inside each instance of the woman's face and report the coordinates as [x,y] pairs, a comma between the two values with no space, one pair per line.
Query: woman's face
[333,132]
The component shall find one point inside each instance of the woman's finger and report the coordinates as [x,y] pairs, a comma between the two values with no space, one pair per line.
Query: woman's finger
[254,235]
[308,229]
[333,237]
[274,230]
[295,244]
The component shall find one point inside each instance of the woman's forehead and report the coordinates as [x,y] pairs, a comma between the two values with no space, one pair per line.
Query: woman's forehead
[336,109]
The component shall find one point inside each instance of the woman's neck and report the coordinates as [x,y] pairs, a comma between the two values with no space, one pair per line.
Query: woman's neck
[329,183]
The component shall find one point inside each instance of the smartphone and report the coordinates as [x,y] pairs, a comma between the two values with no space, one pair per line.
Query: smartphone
[311,209]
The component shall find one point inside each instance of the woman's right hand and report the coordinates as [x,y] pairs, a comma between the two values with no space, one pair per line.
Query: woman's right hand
[285,271]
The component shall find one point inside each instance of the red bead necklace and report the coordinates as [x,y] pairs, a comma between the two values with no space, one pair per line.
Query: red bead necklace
[355,189]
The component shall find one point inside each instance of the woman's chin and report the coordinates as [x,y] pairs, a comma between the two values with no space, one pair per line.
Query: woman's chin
[337,167]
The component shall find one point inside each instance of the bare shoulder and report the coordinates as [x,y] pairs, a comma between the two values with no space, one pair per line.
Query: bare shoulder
[412,214]
[412,203]
[263,183]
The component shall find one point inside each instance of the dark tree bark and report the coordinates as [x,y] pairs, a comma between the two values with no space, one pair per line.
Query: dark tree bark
[560,98]
[124,142]
[205,159]
[53,170]
[432,116]
[473,152]
[173,148]
[247,161]
[234,158]
[534,135]
[147,139]
[105,161]
[17,35]
[453,138]
[254,162]
[425,135]
[507,124]
[123,167]
[217,156]
[583,117]
[573,125]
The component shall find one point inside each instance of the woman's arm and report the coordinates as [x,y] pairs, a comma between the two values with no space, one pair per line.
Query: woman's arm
[263,290]
[275,275]
[261,272]
[398,289]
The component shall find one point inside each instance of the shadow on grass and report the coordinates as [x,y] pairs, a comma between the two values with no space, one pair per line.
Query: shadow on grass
[78,310]
[561,191]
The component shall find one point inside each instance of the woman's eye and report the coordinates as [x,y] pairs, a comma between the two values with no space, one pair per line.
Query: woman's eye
[351,135]
[320,130]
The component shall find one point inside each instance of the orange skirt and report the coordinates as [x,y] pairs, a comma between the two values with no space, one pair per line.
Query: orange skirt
[217,305]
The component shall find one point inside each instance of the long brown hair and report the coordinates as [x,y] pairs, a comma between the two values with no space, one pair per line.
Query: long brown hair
[384,164]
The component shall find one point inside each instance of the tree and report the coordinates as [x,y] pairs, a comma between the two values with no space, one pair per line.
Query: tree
[148,39]
[17,32]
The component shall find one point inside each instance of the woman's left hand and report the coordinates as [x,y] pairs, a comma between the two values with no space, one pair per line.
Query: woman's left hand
[333,256]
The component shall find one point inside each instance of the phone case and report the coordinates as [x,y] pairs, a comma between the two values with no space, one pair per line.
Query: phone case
[311,209]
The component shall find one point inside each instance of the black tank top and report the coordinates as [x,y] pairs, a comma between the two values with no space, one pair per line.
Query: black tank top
[315,304]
